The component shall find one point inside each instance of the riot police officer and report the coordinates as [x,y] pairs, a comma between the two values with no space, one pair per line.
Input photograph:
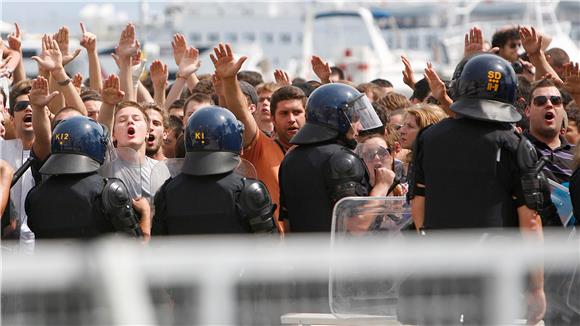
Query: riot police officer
[323,168]
[474,171]
[75,201]
[208,197]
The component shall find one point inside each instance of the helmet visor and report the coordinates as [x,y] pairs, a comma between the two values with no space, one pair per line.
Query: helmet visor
[361,114]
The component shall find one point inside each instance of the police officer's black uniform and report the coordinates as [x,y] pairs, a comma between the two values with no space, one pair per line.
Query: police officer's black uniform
[76,202]
[323,168]
[474,171]
[208,197]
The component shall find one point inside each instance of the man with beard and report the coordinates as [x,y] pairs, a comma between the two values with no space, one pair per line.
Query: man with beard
[545,112]
[157,125]
[288,116]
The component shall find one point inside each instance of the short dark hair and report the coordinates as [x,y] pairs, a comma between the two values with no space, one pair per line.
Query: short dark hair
[199,98]
[307,87]
[3,95]
[382,82]
[206,86]
[175,124]
[91,95]
[153,106]
[23,87]
[502,36]
[421,90]
[180,146]
[558,57]
[178,104]
[286,93]
[334,70]
[254,78]
[539,84]
[572,112]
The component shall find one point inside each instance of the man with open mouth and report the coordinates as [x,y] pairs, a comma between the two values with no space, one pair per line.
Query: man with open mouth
[545,111]
[157,126]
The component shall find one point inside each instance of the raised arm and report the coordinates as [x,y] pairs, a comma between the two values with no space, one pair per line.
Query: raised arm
[6,173]
[226,69]
[321,69]
[438,89]
[89,42]
[39,99]
[159,74]
[188,65]
[572,83]
[128,47]
[282,77]
[111,95]
[15,43]
[51,59]
[532,42]
[179,45]
[408,77]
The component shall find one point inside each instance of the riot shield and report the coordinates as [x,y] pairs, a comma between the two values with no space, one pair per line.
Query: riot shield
[370,217]
[246,169]
[561,198]
[125,164]
[12,152]
[162,171]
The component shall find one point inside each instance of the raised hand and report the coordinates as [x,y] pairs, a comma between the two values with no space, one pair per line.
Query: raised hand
[77,81]
[408,77]
[15,39]
[179,47]
[572,78]
[473,42]
[88,40]
[321,69]
[112,93]
[282,77]
[531,40]
[436,85]
[62,40]
[39,97]
[159,74]
[225,64]
[51,58]
[128,45]
[189,63]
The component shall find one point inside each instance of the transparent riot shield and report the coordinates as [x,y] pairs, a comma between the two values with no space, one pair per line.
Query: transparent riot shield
[162,171]
[12,152]
[561,198]
[371,217]
[125,164]
[246,169]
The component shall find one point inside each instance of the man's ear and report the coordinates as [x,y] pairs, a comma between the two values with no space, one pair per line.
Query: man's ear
[252,108]
[527,111]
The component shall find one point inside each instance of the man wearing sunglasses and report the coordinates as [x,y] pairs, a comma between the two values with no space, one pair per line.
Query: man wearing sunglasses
[508,41]
[545,112]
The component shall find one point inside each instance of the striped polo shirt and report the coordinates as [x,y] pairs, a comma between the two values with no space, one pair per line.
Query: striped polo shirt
[560,160]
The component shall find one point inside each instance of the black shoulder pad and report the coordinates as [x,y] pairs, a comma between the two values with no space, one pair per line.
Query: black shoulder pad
[256,206]
[344,174]
[118,206]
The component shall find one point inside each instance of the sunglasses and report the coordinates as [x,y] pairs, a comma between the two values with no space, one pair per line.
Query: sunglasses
[542,100]
[381,152]
[21,105]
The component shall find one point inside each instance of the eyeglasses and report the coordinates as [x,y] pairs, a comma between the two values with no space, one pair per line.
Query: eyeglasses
[21,105]
[514,45]
[381,152]
[542,100]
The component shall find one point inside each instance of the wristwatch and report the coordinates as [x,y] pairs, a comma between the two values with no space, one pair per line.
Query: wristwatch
[64,82]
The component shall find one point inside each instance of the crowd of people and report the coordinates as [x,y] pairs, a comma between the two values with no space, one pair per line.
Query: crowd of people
[132,153]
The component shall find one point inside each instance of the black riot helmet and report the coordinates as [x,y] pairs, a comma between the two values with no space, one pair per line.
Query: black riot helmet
[78,145]
[331,110]
[213,142]
[486,89]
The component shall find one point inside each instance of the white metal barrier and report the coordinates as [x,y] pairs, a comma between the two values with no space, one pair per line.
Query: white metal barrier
[118,273]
